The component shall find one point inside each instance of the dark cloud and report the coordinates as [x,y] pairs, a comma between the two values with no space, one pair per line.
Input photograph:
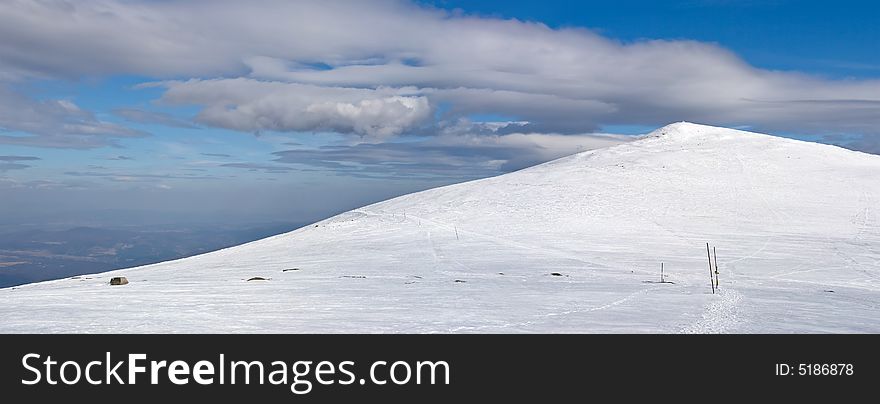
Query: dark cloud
[216,155]
[458,156]
[8,163]
[12,166]
[18,158]
[120,158]
[268,168]
[55,123]
[42,184]
[390,161]
[133,177]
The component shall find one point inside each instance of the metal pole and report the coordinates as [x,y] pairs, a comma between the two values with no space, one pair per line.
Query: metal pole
[715,257]
[711,280]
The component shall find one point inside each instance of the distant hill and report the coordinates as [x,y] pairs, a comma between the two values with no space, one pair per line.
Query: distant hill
[37,255]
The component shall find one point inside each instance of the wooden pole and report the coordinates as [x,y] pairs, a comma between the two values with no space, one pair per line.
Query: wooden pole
[711,279]
[715,257]
[456,232]
[661,272]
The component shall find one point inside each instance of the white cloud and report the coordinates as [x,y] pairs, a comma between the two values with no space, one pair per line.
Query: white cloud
[377,118]
[252,106]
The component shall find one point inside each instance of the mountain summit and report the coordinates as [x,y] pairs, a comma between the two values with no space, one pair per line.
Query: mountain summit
[688,130]
[572,245]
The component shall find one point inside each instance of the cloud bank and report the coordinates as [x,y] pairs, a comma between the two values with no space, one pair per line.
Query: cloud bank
[378,69]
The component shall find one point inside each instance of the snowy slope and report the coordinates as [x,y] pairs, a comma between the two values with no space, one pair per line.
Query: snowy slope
[795,225]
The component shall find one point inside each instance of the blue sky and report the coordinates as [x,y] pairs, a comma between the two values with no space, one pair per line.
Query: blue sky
[293,111]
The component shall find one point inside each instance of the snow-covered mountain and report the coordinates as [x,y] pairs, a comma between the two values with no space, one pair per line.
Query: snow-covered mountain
[573,245]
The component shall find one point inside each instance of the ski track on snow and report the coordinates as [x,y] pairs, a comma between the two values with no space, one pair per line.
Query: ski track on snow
[723,314]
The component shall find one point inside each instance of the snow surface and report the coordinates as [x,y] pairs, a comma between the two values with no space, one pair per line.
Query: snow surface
[795,225]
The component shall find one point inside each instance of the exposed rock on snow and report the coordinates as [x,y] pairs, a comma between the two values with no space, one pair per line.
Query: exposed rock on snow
[118,280]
